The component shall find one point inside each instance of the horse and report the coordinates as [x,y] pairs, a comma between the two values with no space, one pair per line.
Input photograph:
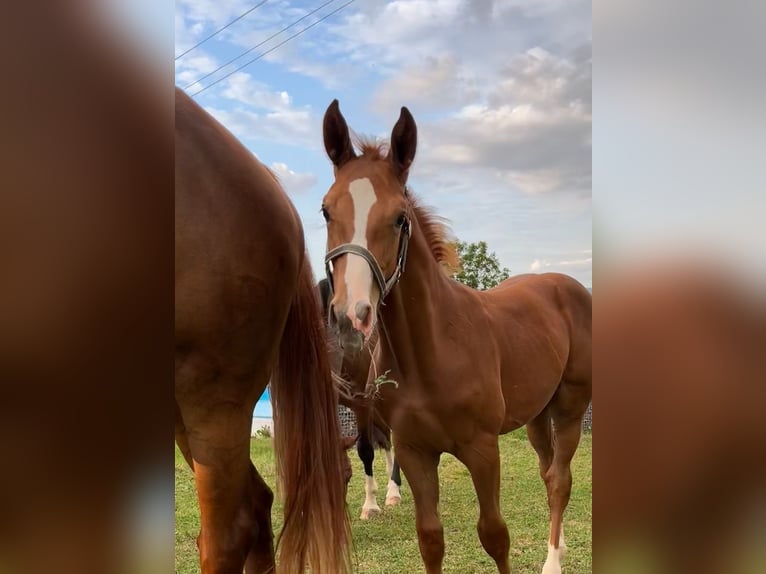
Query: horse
[372,432]
[679,345]
[244,312]
[470,365]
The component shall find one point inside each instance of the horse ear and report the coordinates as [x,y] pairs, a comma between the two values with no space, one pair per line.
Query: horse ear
[337,141]
[404,141]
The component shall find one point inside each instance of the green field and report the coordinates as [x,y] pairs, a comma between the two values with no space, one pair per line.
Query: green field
[388,544]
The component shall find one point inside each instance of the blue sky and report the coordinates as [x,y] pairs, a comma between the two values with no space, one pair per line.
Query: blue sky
[500,90]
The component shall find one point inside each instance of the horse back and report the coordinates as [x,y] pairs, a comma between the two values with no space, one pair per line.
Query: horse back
[237,256]
[549,301]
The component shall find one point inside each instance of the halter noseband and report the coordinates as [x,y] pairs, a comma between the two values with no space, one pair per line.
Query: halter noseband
[385,286]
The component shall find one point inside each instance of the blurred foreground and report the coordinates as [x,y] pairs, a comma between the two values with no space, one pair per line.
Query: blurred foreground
[680,291]
[86,271]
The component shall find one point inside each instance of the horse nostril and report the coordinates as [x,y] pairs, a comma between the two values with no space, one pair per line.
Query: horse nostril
[363,311]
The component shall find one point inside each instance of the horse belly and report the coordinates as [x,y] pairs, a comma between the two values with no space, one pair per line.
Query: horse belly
[418,424]
[525,398]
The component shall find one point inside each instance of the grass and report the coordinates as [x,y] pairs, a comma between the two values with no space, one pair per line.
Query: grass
[388,544]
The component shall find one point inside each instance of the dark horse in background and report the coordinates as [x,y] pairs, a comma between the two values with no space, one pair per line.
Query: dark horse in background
[245,311]
[471,365]
[372,432]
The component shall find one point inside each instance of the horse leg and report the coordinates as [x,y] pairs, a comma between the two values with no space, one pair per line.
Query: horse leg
[421,469]
[367,456]
[558,480]
[393,494]
[182,440]
[220,447]
[540,434]
[483,461]
[260,559]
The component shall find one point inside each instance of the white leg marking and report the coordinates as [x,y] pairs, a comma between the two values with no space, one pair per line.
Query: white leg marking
[389,463]
[553,560]
[370,507]
[358,274]
[393,495]
[562,544]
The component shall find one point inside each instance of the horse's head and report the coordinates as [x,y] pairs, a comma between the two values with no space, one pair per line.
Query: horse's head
[368,222]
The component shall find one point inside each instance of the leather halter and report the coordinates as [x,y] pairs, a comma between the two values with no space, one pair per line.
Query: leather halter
[385,286]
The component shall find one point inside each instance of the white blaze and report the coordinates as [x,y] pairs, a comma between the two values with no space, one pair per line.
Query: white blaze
[358,273]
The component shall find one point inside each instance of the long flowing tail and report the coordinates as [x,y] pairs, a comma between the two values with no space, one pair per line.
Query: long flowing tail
[307,432]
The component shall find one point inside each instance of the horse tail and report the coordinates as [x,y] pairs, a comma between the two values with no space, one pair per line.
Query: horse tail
[306,434]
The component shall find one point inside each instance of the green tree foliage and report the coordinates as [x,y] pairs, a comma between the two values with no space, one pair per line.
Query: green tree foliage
[480,268]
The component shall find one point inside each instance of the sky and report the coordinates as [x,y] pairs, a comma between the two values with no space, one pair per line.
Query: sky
[500,91]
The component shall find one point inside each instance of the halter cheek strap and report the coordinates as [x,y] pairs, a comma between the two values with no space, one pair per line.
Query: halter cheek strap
[385,286]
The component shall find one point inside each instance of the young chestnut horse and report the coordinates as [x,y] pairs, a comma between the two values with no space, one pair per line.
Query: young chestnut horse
[471,365]
[372,431]
[245,309]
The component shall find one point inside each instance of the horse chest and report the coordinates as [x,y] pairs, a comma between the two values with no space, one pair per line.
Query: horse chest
[420,417]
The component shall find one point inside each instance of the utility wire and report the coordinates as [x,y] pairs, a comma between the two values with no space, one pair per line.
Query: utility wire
[270,49]
[198,44]
[258,57]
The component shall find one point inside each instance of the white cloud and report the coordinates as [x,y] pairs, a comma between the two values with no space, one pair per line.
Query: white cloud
[293,182]
[533,131]
[260,113]
[514,77]
[435,82]
[287,127]
[565,265]
[216,13]
[242,88]
[192,67]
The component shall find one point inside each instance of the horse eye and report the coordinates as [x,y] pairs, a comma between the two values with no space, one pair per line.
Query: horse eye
[325,213]
[400,220]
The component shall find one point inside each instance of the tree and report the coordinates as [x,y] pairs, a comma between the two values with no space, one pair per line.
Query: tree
[480,269]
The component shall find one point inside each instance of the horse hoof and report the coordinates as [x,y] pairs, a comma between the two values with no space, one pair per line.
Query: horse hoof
[393,501]
[368,513]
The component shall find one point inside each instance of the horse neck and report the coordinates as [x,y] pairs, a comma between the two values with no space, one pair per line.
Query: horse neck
[409,332]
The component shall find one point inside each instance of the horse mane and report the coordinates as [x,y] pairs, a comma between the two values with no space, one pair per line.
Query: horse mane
[438,235]
[436,229]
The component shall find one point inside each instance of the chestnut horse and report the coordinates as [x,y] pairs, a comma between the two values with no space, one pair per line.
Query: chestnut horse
[372,432]
[680,352]
[245,312]
[471,365]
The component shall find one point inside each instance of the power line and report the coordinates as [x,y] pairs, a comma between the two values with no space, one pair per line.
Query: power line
[198,44]
[258,45]
[258,57]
